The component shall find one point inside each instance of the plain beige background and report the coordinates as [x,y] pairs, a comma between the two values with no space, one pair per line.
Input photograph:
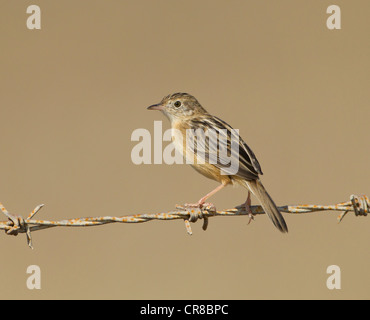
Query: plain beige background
[73,92]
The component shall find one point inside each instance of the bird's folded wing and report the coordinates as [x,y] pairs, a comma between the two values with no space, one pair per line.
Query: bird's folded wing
[217,143]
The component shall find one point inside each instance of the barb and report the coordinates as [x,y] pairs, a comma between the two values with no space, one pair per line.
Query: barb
[359,205]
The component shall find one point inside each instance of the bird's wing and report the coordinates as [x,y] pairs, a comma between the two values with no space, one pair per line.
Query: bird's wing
[228,151]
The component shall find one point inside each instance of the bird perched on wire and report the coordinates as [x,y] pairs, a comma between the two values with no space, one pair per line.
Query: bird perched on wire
[188,116]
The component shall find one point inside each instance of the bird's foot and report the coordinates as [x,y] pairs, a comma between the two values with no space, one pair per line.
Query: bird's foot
[198,214]
[251,217]
[247,206]
[200,205]
[250,213]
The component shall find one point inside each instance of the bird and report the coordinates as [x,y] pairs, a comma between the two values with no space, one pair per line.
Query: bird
[186,114]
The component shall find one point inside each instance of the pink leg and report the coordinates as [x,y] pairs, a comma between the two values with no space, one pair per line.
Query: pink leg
[202,201]
[247,205]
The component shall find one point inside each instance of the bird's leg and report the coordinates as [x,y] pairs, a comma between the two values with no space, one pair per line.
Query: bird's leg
[247,205]
[202,202]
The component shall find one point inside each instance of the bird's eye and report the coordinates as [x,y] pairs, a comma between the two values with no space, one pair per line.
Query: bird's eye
[177,104]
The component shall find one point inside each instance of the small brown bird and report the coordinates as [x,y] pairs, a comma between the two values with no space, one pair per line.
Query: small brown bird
[184,113]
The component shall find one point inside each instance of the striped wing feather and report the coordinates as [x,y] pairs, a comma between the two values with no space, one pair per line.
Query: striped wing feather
[249,167]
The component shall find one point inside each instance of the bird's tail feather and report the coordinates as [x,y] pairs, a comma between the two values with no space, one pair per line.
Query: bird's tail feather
[267,204]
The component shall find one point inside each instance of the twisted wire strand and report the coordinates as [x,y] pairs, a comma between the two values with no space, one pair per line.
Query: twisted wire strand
[360,205]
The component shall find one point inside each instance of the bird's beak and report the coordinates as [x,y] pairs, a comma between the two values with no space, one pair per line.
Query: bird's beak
[157,106]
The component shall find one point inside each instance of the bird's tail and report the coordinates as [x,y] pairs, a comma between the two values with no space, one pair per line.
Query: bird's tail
[267,204]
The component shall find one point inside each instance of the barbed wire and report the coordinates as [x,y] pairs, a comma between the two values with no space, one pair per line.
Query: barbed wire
[359,205]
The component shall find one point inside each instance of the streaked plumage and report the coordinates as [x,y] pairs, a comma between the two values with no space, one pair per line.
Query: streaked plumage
[187,115]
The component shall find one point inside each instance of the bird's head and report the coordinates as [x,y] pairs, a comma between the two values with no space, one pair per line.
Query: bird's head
[179,106]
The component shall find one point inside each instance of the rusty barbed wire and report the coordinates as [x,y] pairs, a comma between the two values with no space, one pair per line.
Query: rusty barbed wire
[359,205]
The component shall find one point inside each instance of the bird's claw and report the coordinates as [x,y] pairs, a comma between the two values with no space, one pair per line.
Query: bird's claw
[196,211]
[205,205]
[251,217]
[247,207]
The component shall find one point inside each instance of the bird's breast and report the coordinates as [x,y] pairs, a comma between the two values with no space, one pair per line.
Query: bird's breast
[190,156]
